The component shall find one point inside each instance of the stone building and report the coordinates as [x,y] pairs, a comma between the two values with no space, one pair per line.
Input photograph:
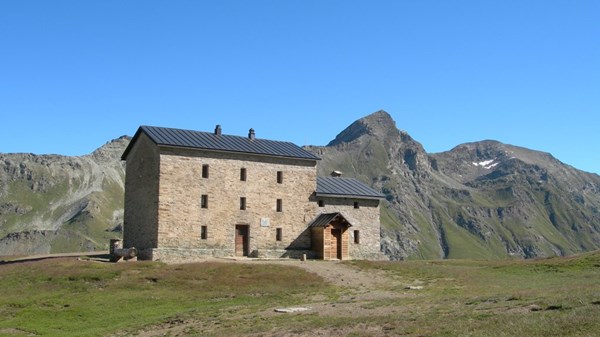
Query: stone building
[194,194]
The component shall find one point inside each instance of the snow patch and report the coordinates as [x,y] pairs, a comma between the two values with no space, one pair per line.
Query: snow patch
[484,163]
[488,164]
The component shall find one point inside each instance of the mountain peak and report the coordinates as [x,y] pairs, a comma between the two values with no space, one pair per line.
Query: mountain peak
[112,149]
[379,119]
[378,124]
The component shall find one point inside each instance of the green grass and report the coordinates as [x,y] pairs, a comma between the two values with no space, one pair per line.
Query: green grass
[84,298]
[66,297]
[551,297]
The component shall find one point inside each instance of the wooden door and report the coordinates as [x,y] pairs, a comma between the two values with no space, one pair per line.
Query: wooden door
[241,240]
[336,243]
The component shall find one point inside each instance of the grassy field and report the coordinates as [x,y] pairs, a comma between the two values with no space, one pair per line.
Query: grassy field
[70,297]
[553,297]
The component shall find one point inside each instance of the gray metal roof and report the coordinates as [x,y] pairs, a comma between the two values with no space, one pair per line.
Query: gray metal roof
[211,141]
[345,187]
[324,219]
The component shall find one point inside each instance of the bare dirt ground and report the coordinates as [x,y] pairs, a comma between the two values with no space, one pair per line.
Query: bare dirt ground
[360,289]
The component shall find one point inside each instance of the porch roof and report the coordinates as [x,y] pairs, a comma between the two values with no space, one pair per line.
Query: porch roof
[324,219]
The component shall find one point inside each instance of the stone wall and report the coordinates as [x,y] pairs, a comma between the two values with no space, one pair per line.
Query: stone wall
[140,229]
[180,255]
[181,186]
[364,219]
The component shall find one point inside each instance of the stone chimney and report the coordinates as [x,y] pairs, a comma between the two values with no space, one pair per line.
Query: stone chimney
[251,134]
[336,173]
[218,130]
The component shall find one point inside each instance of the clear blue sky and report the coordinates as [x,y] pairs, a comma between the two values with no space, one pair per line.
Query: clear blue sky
[76,74]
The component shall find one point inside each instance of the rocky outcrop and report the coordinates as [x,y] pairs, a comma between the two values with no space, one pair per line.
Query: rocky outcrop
[27,243]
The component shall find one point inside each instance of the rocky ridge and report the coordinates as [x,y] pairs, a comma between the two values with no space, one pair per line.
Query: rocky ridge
[52,203]
[479,200]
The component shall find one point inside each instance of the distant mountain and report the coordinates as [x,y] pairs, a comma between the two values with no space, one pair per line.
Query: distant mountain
[478,200]
[527,201]
[51,203]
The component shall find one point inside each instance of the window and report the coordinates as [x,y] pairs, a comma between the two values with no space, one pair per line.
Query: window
[205,171]
[243,174]
[357,237]
[321,203]
[280,177]
[279,205]
[356,204]
[204,201]
[279,234]
[243,203]
[203,233]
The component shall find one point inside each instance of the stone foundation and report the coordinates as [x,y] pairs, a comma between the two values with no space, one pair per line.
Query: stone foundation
[179,255]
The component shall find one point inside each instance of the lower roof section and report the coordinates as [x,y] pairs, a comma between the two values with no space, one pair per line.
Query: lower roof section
[345,188]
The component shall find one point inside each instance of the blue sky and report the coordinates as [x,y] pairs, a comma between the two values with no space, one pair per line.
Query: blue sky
[76,74]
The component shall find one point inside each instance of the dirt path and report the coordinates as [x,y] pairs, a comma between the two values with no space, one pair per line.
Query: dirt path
[15,259]
[333,272]
[367,285]
[362,291]
[359,286]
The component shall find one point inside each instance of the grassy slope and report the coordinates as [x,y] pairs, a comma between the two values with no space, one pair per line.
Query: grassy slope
[20,193]
[82,298]
[551,297]
[91,228]
[83,232]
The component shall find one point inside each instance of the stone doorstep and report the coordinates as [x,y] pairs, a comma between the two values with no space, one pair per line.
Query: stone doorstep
[292,310]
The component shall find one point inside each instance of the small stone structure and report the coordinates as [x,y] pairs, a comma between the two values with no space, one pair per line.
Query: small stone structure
[117,252]
[191,194]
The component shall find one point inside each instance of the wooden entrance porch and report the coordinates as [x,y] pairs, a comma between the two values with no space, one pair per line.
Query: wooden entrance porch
[329,236]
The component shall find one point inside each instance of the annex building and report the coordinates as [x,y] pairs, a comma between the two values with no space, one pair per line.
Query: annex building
[191,194]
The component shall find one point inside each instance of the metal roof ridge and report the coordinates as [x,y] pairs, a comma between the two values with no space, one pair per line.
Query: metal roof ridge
[193,139]
[345,187]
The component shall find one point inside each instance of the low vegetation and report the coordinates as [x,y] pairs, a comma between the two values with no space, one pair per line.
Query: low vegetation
[550,297]
[68,297]
[86,298]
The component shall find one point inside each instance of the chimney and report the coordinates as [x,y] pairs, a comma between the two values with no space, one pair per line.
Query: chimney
[218,130]
[336,173]
[251,134]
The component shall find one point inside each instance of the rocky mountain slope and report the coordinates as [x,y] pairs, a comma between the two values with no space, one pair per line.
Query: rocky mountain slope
[478,200]
[51,203]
